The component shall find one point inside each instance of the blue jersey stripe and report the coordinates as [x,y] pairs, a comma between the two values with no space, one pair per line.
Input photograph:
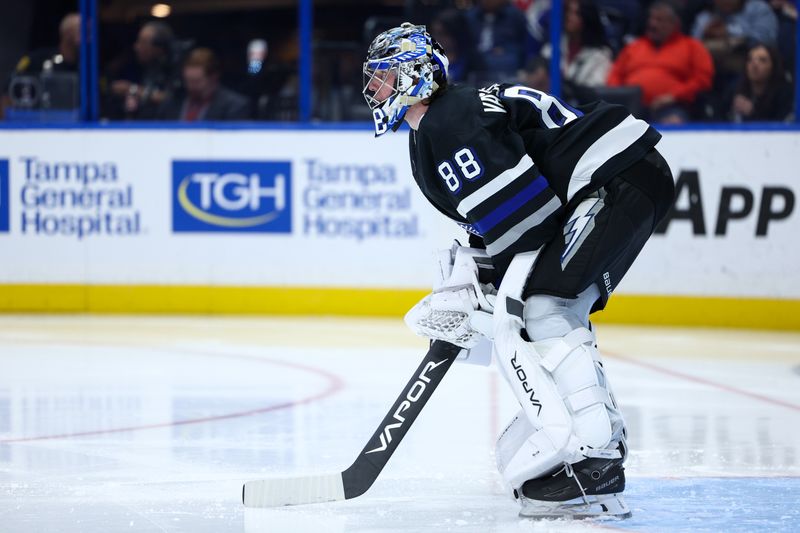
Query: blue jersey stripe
[511,205]
[515,233]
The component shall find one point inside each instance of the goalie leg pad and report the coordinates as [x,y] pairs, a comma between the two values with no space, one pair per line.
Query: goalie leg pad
[576,367]
[573,360]
[550,440]
[549,316]
[562,389]
[576,417]
[511,440]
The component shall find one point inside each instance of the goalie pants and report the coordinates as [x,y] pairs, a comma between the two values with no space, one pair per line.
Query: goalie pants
[605,232]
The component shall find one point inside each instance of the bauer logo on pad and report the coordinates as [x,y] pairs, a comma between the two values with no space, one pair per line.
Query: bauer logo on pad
[4,207]
[232,196]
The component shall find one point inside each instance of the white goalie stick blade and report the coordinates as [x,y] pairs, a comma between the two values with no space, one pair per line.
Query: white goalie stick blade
[293,491]
[355,480]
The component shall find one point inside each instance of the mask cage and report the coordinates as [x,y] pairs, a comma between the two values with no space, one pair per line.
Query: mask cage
[377,75]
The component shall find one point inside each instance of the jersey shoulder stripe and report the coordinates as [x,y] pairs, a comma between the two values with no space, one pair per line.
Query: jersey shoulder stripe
[614,141]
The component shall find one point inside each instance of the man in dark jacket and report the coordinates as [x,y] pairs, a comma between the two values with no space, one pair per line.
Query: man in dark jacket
[203,97]
[48,77]
[63,58]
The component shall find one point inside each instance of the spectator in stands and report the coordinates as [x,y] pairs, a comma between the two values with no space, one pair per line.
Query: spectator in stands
[63,58]
[728,29]
[537,16]
[500,30]
[622,20]
[21,91]
[670,67]
[762,94]
[447,28]
[203,97]
[786,13]
[536,74]
[139,92]
[687,11]
[585,53]
[737,20]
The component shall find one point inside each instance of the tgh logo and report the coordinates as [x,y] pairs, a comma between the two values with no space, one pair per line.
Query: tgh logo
[231,196]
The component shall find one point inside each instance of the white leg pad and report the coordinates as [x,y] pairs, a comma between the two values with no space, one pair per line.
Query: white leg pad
[509,449]
[578,417]
[559,384]
[576,367]
[552,440]
[561,388]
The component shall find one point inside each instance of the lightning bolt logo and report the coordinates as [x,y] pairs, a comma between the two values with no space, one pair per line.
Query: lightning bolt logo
[580,225]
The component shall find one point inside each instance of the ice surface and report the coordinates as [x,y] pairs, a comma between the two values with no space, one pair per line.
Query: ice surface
[153,423]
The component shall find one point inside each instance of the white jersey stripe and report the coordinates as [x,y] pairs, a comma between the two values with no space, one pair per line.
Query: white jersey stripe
[613,142]
[494,185]
[513,234]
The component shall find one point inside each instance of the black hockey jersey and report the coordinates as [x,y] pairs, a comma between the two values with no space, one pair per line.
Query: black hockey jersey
[506,162]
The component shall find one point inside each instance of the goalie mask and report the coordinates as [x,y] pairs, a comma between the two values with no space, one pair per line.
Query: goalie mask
[404,66]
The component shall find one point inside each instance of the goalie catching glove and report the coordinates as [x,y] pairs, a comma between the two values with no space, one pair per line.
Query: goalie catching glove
[459,310]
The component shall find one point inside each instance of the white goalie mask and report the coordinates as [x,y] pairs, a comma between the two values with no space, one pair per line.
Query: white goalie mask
[404,66]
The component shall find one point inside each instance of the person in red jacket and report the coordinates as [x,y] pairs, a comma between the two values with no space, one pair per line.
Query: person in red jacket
[669,66]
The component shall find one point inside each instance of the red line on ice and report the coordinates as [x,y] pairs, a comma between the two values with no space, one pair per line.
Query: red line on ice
[335,384]
[704,381]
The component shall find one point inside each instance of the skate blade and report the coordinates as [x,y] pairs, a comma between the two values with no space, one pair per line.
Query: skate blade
[576,516]
[604,516]
[607,508]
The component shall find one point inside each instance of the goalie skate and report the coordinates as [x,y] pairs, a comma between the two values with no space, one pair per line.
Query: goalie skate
[591,488]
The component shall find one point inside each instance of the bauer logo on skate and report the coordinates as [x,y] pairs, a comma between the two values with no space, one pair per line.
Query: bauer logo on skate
[231,196]
[4,208]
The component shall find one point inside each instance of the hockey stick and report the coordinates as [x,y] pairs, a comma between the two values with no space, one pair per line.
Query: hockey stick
[360,476]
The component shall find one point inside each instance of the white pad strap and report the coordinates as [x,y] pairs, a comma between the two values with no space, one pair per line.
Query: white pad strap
[588,397]
[563,347]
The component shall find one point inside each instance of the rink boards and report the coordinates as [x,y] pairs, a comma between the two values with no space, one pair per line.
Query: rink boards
[312,221]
